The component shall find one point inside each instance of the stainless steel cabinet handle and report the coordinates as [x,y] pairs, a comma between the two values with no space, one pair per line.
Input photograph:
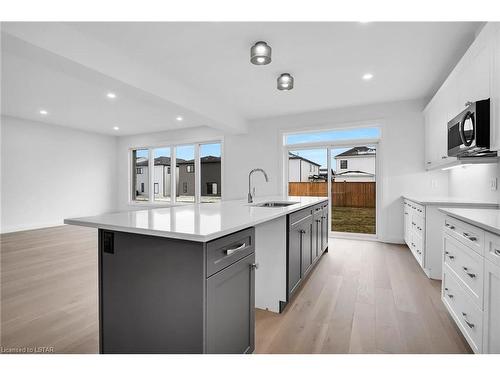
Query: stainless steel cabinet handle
[444,157]
[254,266]
[447,253]
[406,213]
[470,274]
[497,252]
[467,235]
[448,294]
[234,249]
[318,220]
[471,325]
[449,226]
[302,231]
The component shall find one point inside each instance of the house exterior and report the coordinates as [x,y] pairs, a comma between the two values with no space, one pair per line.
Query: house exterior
[356,165]
[301,169]
[210,177]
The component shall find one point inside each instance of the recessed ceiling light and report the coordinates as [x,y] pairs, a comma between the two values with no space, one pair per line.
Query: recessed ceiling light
[367,76]
[260,53]
[43,112]
[179,118]
[116,128]
[111,95]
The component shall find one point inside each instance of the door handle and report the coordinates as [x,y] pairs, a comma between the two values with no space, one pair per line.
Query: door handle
[234,249]
[448,294]
[468,236]
[302,231]
[471,325]
[470,274]
[448,255]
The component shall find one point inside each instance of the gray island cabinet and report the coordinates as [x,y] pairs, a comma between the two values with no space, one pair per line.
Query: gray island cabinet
[184,279]
[163,295]
[307,241]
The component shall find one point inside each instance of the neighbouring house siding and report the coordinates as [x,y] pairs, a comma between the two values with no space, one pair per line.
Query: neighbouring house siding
[300,170]
[142,178]
[186,179]
[210,173]
[357,163]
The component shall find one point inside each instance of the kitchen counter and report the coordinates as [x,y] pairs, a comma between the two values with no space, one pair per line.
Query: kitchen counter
[450,201]
[487,219]
[196,222]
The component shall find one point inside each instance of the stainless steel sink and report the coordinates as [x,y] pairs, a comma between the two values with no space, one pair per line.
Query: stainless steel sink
[274,204]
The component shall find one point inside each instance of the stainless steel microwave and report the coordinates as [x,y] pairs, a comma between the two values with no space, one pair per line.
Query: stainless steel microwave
[469,131]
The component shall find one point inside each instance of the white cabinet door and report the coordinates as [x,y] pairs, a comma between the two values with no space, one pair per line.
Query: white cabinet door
[491,320]
[436,117]
[495,89]
[474,71]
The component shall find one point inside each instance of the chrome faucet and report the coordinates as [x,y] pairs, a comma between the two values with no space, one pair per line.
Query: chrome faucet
[251,192]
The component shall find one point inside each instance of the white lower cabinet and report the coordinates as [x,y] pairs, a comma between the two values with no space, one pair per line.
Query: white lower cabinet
[471,283]
[491,320]
[414,231]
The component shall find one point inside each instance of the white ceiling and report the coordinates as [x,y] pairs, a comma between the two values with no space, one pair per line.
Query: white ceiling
[205,69]
[75,96]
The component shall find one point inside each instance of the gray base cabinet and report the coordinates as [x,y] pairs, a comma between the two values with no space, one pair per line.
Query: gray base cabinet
[231,309]
[307,241]
[161,295]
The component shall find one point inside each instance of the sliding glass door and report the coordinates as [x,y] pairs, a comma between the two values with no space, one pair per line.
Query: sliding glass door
[308,172]
[353,189]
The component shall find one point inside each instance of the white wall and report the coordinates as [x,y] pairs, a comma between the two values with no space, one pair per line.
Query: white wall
[473,182]
[51,172]
[401,155]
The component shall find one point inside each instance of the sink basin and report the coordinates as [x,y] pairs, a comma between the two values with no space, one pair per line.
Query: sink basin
[275,204]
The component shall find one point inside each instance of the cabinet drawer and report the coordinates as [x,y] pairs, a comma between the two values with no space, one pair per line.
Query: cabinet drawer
[418,224]
[469,235]
[492,248]
[467,265]
[224,251]
[466,314]
[297,216]
[415,246]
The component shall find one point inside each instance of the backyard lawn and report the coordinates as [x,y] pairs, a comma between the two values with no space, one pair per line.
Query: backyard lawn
[353,219]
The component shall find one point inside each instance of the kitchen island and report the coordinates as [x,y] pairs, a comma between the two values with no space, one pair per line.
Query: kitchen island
[184,279]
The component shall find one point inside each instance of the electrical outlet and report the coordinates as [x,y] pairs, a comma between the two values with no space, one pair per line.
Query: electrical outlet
[493,184]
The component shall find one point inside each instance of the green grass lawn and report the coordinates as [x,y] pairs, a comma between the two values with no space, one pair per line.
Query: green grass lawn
[353,219]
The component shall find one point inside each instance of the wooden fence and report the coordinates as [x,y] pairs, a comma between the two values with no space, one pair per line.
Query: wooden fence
[344,194]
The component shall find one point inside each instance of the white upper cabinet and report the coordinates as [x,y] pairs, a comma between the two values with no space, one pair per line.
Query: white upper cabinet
[475,77]
[495,89]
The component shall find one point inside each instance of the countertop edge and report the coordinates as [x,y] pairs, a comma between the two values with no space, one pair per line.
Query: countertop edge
[468,220]
[187,236]
[455,204]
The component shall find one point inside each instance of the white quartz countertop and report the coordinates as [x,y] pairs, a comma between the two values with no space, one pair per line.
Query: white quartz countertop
[487,219]
[196,222]
[449,201]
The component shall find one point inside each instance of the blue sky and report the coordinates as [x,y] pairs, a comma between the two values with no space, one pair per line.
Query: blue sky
[333,135]
[185,152]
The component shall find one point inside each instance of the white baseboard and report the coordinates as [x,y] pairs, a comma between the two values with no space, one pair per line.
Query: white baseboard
[20,228]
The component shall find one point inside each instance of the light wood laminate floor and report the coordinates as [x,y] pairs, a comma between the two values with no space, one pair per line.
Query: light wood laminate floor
[363,297]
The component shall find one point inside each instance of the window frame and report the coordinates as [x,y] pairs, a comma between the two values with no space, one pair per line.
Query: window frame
[173,180]
[346,164]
